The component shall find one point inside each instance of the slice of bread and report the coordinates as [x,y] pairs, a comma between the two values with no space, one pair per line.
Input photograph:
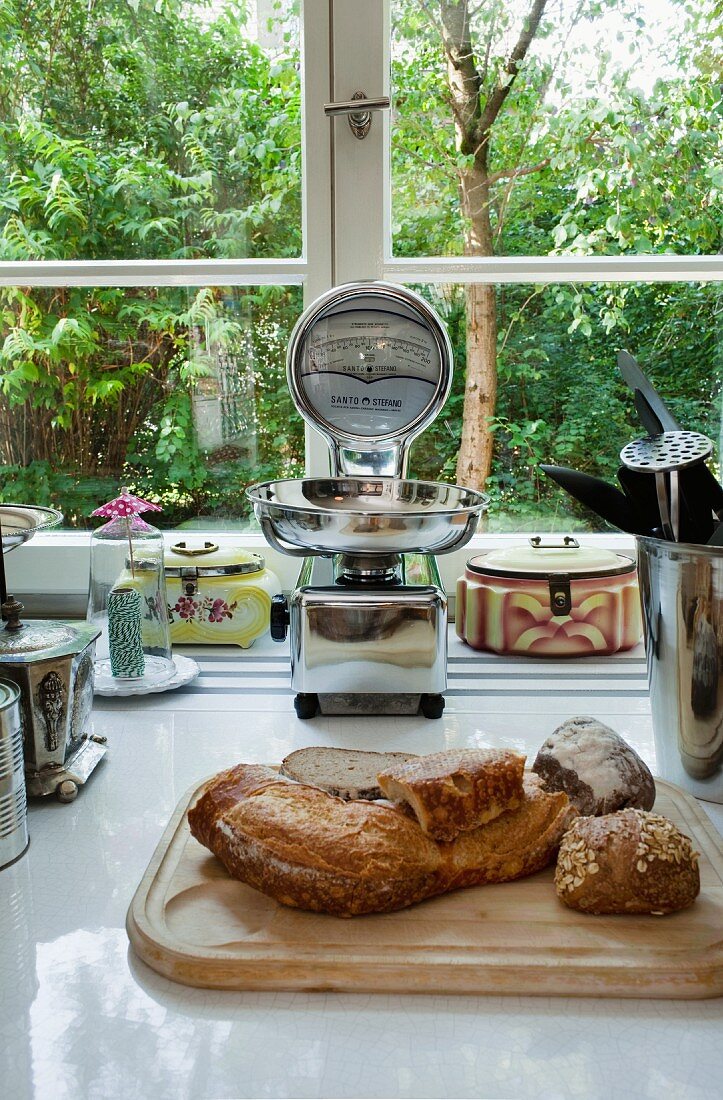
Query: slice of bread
[347,773]
[457,790]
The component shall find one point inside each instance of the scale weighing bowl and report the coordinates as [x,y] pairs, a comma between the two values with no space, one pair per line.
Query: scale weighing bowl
[365,515]
[19,522]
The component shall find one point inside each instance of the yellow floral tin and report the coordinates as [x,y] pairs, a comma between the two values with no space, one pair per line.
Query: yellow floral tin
[218,596]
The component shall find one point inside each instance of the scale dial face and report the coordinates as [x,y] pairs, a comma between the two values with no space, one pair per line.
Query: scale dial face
[368,362]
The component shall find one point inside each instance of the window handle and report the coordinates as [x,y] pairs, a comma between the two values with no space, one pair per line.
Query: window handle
[359,109]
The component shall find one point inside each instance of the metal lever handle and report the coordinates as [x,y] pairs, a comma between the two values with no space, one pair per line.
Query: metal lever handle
[358,105]
[359,109]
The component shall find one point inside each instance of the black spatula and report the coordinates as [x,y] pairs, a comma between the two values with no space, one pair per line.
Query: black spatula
[632,373]
[605,500]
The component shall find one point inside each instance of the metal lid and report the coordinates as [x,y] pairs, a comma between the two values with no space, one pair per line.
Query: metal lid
[9,693]
[41,639]
[541,559]
[209,560]
[34,637]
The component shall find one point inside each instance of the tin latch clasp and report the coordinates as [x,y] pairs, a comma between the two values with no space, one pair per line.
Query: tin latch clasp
[560,595]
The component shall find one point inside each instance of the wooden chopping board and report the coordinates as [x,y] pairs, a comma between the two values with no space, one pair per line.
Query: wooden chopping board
[194,924]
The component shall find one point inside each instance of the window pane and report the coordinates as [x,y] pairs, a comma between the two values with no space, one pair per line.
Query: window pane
[593,129]
[560,397]
[149,129]
[178,393]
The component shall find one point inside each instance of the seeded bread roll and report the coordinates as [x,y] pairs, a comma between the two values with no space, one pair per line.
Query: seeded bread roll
[346,773]
[598,771]
[627,862]
[458,790]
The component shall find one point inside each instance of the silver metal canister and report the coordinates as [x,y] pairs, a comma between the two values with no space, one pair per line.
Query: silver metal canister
[13,803]
[681,589]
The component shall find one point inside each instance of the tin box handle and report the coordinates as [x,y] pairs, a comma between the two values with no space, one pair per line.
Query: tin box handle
[194,551]
[537,542]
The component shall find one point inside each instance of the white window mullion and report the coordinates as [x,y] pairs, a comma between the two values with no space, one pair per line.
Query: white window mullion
[317,179]
[315,272]
[316,142]
[356,201]
[556,269]
[361,63]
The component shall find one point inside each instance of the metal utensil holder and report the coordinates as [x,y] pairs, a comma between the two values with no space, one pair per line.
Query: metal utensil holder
[681,588]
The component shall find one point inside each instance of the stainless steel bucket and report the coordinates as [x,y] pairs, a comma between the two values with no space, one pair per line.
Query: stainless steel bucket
[13,803]
[681,589]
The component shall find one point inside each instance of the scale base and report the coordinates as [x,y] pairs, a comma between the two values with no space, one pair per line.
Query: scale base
[354,644]
[309,704]
[63,780]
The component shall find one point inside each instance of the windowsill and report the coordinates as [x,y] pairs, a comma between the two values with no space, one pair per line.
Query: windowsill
[49,574]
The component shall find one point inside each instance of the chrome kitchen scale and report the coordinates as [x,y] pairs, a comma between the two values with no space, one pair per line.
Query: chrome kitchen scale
[369,366]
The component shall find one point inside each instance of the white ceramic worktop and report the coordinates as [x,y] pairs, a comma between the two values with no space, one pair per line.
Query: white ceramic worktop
[80,1017]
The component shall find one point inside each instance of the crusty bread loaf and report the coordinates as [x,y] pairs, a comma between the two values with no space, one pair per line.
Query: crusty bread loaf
[458,790]
[311,850]
[223,792]
[598,770]
[517,843]
[627,862]
[347,773]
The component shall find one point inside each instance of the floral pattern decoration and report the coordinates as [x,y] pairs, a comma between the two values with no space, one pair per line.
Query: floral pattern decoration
[202,610]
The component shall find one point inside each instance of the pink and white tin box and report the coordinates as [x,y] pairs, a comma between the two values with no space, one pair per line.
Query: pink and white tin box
[549,599]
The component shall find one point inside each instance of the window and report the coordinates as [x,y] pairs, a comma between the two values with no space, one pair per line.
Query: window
[152,249]
[549,176]
[554,181]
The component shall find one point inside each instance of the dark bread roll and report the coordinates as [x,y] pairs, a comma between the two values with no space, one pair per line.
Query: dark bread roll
[627,862]
[598,771]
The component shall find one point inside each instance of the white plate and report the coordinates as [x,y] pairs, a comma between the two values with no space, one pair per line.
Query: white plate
[186,671]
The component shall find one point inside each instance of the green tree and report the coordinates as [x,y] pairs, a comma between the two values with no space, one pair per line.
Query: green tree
[137,129]
[495,155]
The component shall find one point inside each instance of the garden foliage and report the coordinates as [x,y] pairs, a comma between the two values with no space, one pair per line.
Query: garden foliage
[137,129]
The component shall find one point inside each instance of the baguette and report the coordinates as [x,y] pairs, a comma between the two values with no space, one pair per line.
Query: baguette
[458,790]
[311,850]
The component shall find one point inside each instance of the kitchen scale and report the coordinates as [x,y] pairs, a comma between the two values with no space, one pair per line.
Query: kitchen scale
[369,366]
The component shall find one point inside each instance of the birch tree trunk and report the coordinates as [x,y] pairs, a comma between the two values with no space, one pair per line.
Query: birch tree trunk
[474,460]
[476,101]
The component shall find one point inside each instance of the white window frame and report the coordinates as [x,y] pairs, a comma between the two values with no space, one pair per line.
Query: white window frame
[62,587]
[363,245]
[346,230]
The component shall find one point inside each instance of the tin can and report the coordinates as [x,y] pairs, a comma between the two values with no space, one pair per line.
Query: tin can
[13,802]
